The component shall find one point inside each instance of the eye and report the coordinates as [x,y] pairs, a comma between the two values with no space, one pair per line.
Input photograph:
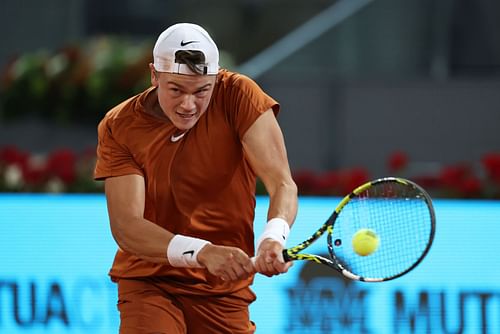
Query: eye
[174,91]
[202,92]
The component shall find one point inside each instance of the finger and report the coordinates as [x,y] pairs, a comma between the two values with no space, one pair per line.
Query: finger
[263,263]
[247,266]
[239,270]
[270,256]
[282,267]
[259,264]
[221,275]
[231,274]
[277,266]
[268,268]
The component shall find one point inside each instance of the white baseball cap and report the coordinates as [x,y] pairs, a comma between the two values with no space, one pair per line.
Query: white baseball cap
[184,36]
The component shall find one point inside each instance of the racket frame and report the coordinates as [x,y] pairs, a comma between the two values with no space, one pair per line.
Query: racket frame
[293,253]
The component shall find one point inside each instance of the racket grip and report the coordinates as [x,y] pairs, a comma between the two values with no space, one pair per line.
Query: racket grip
[284,253]
[286,258]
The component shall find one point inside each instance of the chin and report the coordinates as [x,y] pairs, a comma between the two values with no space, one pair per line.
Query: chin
[185,126]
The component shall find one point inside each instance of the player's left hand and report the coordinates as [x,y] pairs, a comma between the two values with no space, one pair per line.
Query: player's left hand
[269,260]
[227,263]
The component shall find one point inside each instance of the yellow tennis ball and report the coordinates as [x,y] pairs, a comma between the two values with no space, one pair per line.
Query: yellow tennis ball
[365,242]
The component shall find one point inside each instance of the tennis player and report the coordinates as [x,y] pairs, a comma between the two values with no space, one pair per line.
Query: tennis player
[180,162]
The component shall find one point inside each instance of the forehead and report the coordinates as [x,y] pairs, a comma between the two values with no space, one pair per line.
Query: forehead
[187,81]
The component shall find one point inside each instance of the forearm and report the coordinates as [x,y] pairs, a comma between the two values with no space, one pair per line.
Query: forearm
[283,201]
[142,238]
[125,199]
[281,216]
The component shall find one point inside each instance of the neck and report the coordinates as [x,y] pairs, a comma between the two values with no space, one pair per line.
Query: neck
[152,106]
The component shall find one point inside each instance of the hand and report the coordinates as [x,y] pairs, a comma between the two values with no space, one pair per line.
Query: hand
[227,263]
[269,260]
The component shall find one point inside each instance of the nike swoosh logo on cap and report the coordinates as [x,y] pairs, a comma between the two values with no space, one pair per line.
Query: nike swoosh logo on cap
[188,42]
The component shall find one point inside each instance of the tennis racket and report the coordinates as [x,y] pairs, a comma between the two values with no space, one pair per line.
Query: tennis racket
[400,213]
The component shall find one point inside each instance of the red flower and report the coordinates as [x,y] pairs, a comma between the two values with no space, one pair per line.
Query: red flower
[62,163]
[397,161]
[491,163]
[327,184]
[452,176]
[427,181]
[11,155]
[470,187]
[35,174]
[306,181]
[350,179]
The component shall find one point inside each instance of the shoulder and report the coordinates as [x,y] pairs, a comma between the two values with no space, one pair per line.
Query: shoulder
[231,78]
[235,82]
[125,113]
[239,90]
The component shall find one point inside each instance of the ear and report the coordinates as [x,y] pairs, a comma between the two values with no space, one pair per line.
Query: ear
[154,75]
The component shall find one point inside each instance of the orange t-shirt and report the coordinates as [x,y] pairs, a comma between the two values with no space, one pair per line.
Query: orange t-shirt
[201,186]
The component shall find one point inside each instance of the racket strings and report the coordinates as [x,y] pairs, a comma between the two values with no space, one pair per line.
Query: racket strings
[401,218]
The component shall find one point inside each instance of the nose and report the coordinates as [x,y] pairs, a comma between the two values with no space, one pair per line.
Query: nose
[188,102]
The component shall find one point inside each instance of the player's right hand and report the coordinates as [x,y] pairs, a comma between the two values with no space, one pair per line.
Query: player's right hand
[269,260]
[227,263]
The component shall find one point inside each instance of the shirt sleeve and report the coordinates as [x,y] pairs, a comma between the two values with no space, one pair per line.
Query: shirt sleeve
[247,102]
[113,158]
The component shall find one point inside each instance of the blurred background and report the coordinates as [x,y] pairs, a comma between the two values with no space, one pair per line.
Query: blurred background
[368,88]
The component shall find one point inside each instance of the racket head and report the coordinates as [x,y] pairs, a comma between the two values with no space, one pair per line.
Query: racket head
[400,212]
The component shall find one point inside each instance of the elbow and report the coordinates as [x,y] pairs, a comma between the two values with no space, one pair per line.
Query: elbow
[119,235]
[293,187]
[289,184]
[287,187]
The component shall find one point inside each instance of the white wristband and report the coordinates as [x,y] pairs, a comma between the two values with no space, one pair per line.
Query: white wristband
[182,251]
[276,229]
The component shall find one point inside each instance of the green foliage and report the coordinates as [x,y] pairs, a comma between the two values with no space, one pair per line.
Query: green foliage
[75,84]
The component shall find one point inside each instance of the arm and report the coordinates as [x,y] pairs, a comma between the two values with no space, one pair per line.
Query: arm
[265,150]
[125,197]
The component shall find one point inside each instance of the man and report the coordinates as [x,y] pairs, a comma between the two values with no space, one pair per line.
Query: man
[180,161]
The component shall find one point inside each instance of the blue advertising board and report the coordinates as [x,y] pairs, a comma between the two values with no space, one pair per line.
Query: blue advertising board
[56,250]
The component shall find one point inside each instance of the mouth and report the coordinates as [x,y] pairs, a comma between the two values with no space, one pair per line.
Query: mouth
[186,115]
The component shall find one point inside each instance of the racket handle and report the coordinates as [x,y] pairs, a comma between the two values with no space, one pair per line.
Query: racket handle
[286,258]
[284,253]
